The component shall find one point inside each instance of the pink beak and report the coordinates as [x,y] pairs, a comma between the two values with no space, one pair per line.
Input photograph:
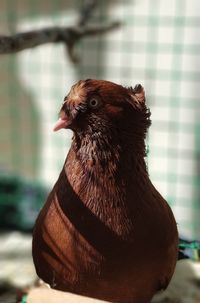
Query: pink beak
[61,123]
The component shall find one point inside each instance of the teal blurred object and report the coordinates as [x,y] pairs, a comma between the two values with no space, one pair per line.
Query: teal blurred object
[189,249]
[24,299]
[20,202]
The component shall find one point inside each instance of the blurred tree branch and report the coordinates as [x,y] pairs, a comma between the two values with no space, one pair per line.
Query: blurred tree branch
[67,35]
[86,11]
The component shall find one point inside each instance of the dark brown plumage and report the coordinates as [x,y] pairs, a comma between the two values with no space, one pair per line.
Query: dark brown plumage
[105,231]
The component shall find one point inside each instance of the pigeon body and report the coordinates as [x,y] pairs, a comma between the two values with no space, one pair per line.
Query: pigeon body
[105,231]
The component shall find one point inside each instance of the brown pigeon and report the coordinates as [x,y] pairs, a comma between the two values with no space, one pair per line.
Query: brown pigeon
[105,231]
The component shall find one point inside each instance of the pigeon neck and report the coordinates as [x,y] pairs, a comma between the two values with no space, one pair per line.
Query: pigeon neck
[100,157]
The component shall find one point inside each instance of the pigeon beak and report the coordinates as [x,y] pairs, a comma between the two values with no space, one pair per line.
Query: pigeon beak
[63,122]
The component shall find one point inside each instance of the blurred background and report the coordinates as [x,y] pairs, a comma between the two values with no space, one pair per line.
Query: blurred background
[157,45]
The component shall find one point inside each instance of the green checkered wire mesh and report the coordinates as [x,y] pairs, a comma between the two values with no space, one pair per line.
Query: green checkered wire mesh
[158,45]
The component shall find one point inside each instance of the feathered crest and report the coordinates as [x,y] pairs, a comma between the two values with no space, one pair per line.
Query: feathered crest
[137,95]
[138,101]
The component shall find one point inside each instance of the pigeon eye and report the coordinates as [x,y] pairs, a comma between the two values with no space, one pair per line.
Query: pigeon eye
[94,102]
